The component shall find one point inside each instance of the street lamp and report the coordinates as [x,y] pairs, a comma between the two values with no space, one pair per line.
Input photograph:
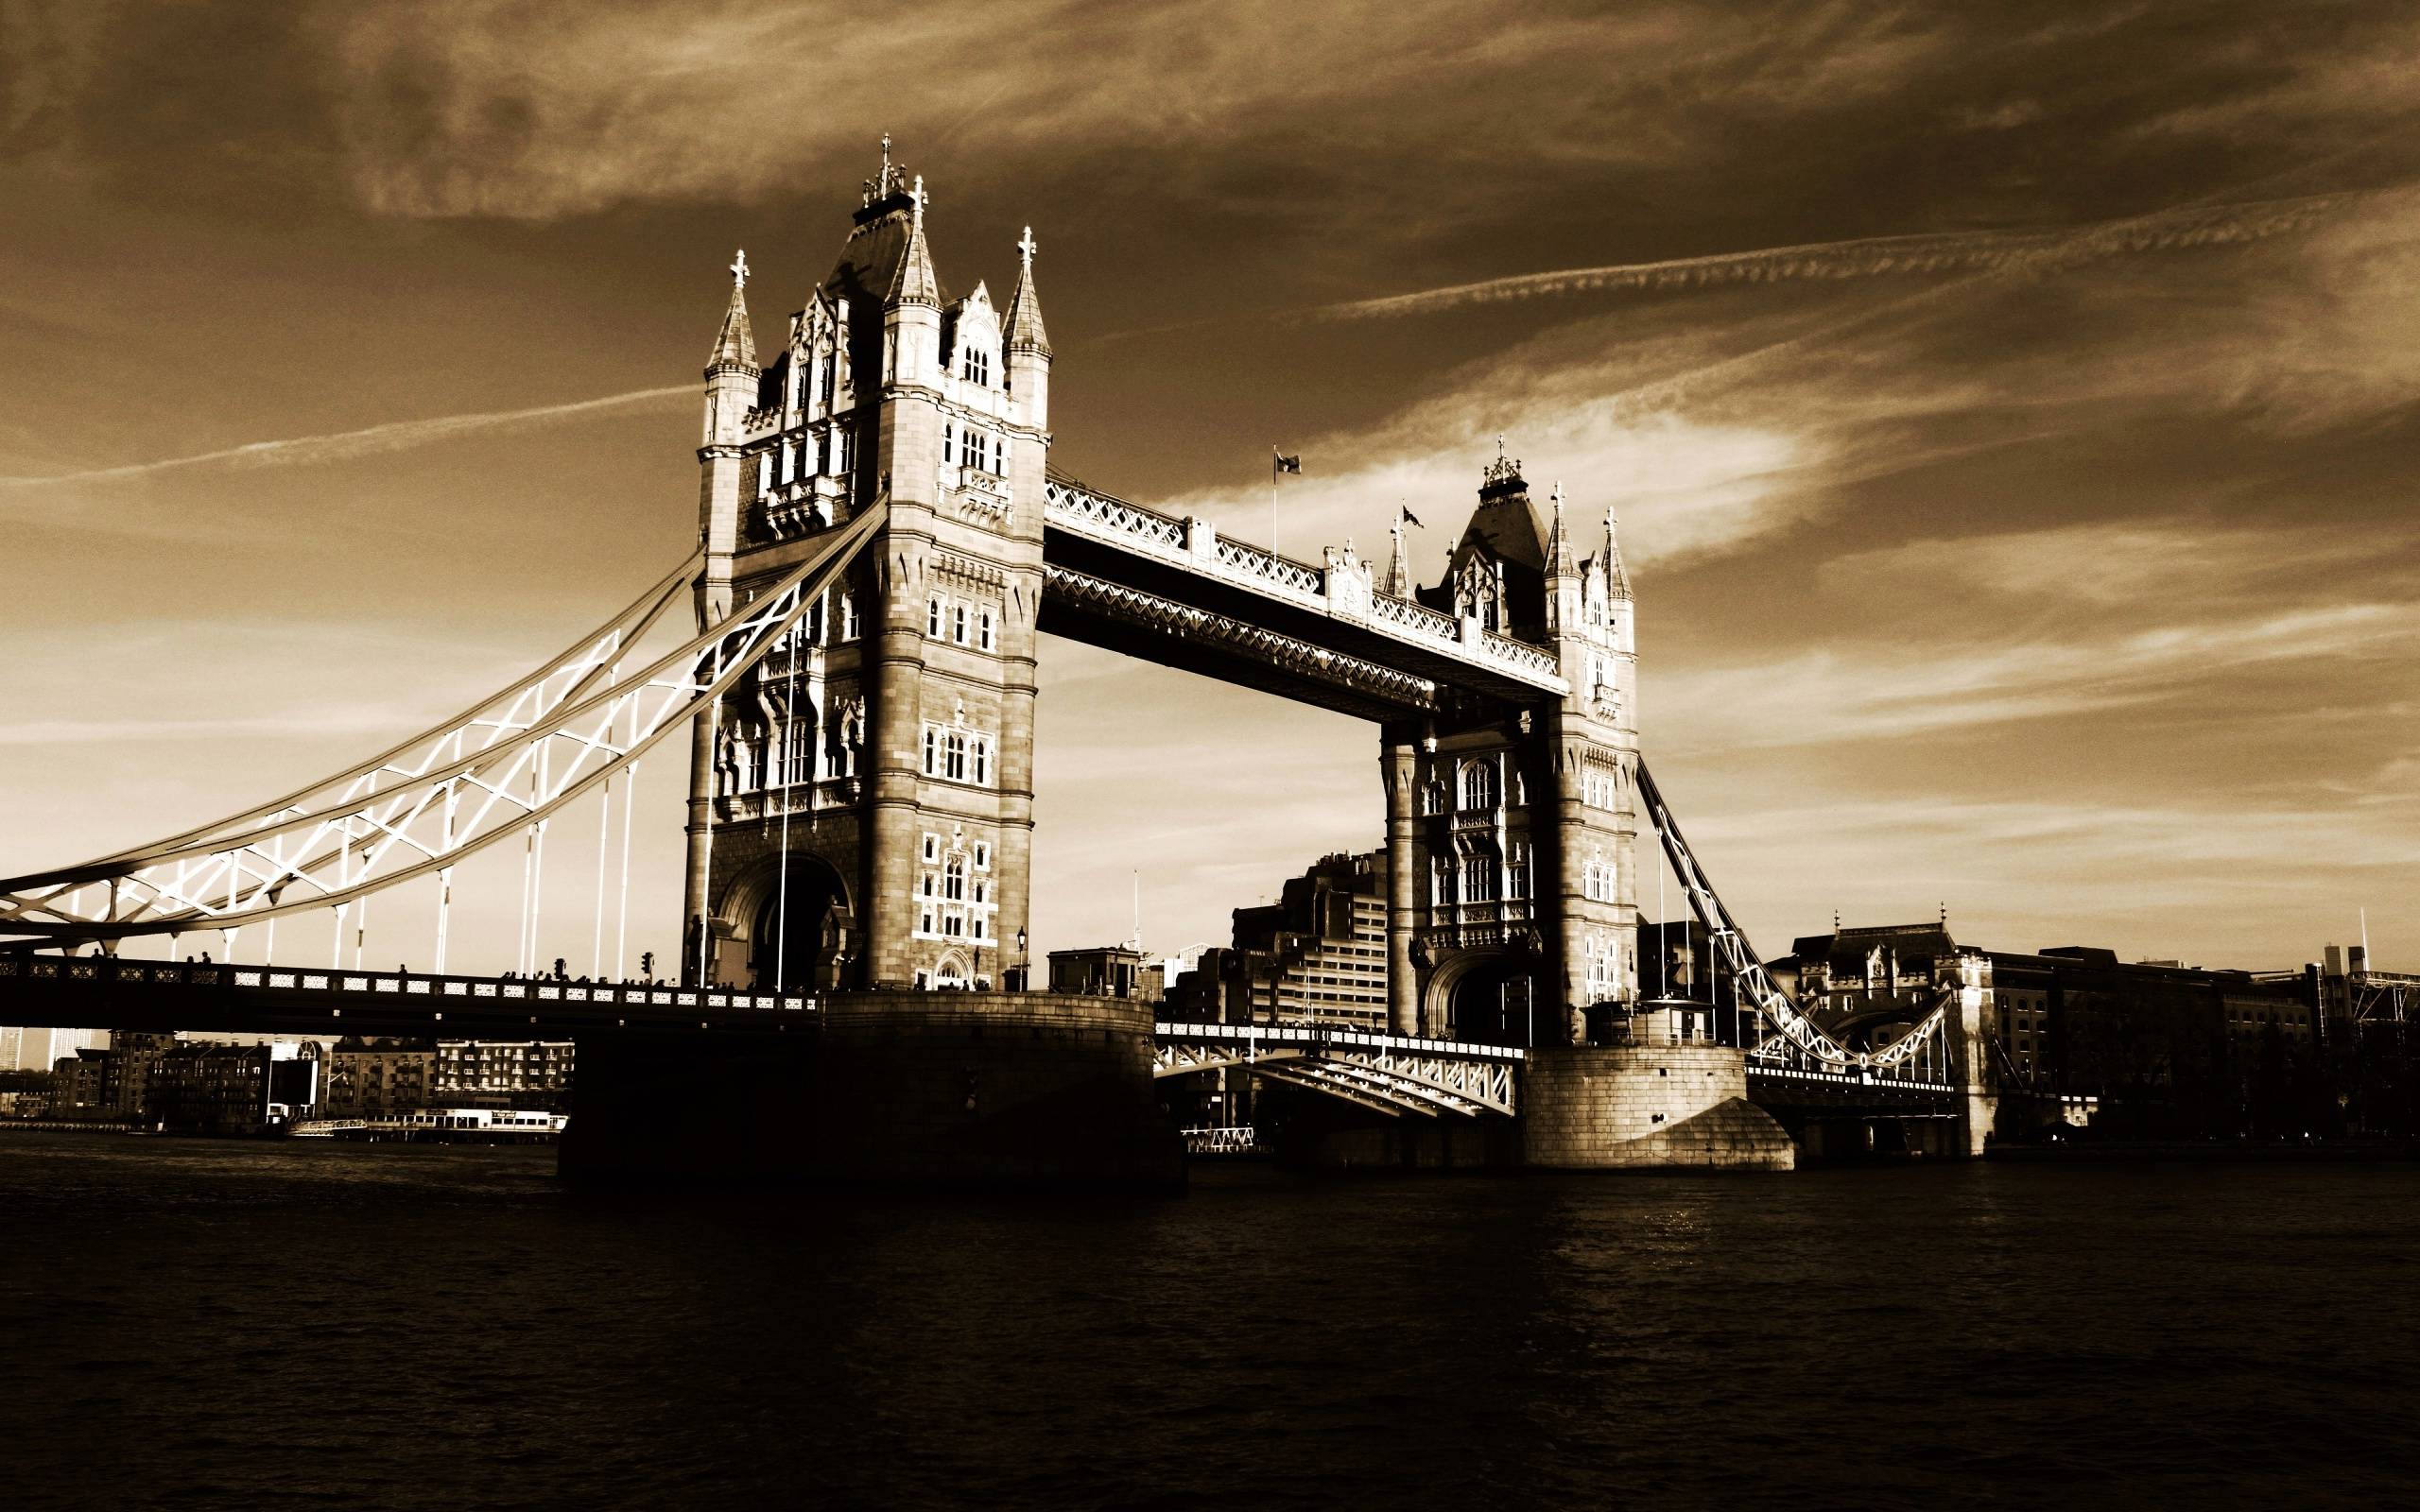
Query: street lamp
[1023,986]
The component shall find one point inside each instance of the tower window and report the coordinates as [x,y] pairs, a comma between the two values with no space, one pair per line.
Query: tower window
[949,442]
[988,636]
[1479,784]
[933,618]
[958,624]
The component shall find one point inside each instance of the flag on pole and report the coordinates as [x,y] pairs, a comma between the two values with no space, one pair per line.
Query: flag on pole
[1282,463]
[1409,517]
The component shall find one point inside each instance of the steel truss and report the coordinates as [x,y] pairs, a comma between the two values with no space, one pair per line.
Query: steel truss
[504,766]
[1796,1045]
[1394,690]
[1380,1072]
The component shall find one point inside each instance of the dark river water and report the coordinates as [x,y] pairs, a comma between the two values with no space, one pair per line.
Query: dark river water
[224,1324]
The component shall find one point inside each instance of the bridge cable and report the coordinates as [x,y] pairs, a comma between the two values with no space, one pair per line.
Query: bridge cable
[705,910]
[790,784]
[604,832]
[538,856]
[637,617]
[629,807]
[239,861]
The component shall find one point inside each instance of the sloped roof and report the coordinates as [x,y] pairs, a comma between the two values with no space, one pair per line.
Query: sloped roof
[869,263]
[1024,327]
[736,343]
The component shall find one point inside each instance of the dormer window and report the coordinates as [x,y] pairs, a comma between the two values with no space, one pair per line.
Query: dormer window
[977,369]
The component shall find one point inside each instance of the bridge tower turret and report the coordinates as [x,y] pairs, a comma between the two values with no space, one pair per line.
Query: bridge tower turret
[866,804]
[1591,759]
[1511,831]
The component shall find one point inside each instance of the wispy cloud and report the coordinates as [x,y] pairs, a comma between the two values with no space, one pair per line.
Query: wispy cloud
[1841,697]
[345,446]
[2027,249]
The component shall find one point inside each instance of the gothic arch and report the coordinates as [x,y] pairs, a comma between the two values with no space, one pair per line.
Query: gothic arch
[1477,968]
[820,937]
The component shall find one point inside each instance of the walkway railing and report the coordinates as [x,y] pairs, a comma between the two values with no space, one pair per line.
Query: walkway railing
[1196,545]
[100,969]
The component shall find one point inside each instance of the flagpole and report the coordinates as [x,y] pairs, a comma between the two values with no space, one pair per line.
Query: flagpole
[1274,454]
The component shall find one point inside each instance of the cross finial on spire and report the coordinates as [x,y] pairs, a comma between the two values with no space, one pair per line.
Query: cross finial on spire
[917,195]
[1557,495]
[739,270]
[1026,249]
[886,179]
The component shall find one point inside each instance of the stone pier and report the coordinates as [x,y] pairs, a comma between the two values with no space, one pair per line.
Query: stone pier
[1642,1106]
[893,1089]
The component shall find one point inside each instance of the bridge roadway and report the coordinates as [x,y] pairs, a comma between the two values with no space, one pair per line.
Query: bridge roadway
[102,992]
[1383,1072]
[1176,591]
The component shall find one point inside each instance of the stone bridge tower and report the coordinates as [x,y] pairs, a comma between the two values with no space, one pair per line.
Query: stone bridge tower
[1513,833]
[861,807]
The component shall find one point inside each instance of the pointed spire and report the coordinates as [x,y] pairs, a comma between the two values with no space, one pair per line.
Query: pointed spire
[1616,580]
[1558,543]
[736,343]
[1399,566]
[914,283]
[1024,331]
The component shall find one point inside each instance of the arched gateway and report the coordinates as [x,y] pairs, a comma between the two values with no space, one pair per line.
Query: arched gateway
[886,751]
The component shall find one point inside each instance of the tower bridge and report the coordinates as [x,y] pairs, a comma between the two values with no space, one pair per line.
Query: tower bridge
[882,539]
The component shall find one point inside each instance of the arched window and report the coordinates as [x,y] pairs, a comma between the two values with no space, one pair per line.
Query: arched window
[1479,879]
[798,746]
[1479,784]
[933,617]
[1441,882]
[953,879]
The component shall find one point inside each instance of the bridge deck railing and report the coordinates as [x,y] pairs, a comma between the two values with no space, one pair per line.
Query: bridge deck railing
[1310,1037]
[98,970]
[1195,544]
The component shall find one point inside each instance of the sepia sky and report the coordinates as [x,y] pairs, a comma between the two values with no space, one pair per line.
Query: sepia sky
[2013,411]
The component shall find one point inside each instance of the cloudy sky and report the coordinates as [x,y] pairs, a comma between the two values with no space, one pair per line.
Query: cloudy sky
[2013,411]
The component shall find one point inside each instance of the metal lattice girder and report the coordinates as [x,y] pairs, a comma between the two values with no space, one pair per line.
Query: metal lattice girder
[566,676]
[1371,1076]
[455,792]
[1311,1078]
[1754,985]
[1364,678]
[1489,1086]
[1435,1074]
[1187,1057]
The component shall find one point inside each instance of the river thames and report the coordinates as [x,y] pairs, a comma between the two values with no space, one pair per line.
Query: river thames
[196,1324]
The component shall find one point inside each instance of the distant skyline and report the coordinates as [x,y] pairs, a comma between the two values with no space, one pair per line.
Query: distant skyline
[2011,413]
